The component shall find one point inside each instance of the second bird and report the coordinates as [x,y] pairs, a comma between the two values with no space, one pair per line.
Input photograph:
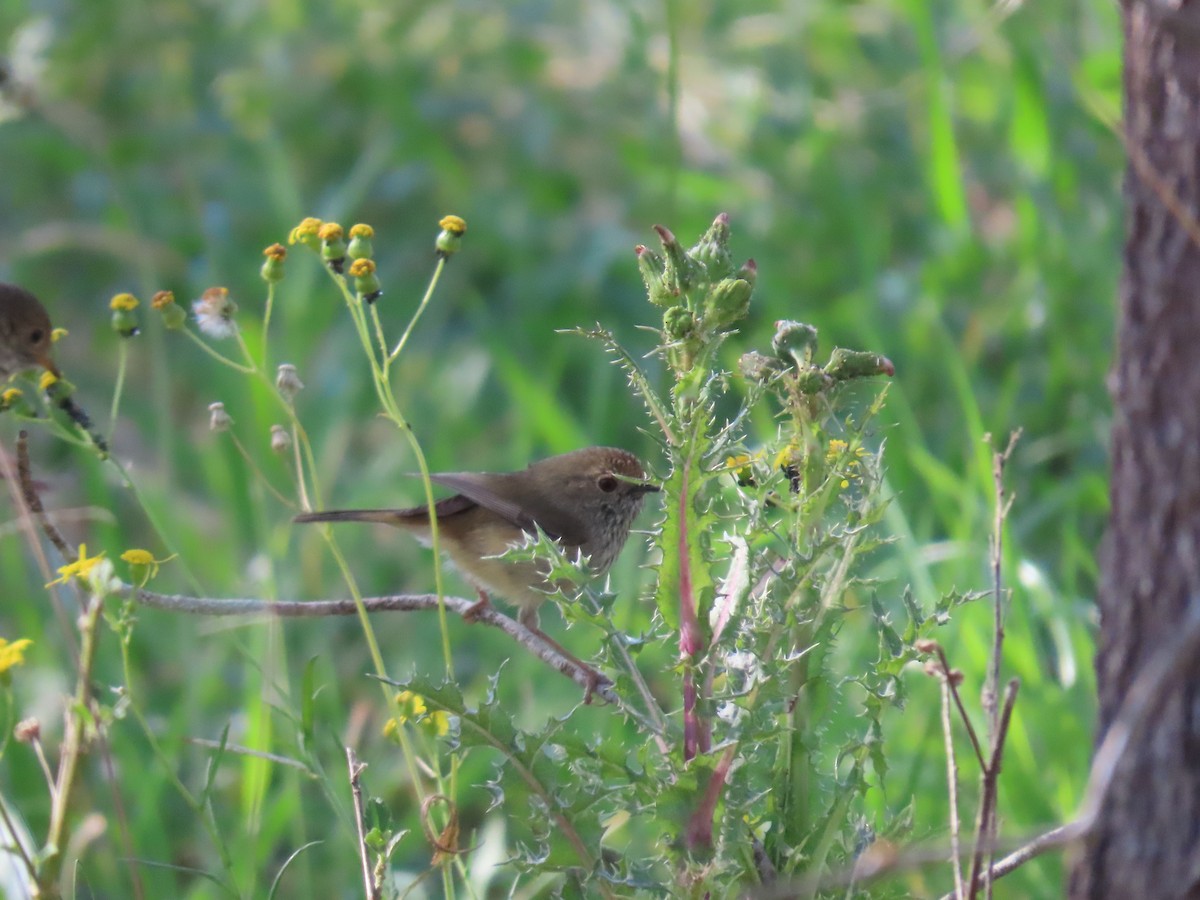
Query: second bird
[586,500]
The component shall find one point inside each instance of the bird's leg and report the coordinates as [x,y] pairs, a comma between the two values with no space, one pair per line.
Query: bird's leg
[471,613]
[529,618]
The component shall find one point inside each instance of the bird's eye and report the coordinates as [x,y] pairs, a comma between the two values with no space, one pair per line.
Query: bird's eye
[607,483]
[35,336]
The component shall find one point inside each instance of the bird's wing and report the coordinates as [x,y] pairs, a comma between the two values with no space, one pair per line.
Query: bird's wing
[477,489]
[521,500]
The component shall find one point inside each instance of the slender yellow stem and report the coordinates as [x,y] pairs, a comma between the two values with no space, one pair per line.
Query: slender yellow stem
[437,274]
[267,321]
[118,389]
[219,357]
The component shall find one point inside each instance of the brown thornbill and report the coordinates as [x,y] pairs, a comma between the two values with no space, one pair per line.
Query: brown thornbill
[586,500]
[24,332]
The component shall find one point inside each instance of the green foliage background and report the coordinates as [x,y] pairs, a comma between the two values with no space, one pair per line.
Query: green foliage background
[938,182]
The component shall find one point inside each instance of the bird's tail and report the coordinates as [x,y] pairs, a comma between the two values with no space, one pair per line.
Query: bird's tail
[396,517]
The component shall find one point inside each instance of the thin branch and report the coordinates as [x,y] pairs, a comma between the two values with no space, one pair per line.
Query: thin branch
[984,837]
[356,770]
[992,684]
[952,786]
[208,606]
[33,502]
[951,678]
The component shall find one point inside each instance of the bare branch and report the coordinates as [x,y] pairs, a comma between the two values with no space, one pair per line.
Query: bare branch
[534,643]
[371,889]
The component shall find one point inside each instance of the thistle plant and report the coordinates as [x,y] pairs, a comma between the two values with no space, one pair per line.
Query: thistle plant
[753,766]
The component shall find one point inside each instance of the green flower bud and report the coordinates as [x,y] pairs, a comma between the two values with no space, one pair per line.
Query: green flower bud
[811,380]
[712,250]
[749,272]
[846,364]
[652,268]
[124,319]
[450,238]
[174,316]
[366,282]
[681,270]
[13,400]
[758,367]
[333,247]
[794,341]
[679,323]
[125,322]
[360,242]
[727,303]
[272,267]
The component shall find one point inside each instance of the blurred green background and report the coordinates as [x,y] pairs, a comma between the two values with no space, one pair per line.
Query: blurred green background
[938,182]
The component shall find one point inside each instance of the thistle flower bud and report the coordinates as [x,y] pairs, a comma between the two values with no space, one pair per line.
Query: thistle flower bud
[679,323]
[758,367]
[712,250]
[727,303]
[652,268]
[681,270]
[794,341]
[846,364]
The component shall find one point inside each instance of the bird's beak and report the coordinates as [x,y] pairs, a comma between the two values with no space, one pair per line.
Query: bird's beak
[647,488]
[48,364]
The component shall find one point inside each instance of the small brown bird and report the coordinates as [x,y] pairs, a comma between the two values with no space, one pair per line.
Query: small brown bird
[24,332]
[586,500]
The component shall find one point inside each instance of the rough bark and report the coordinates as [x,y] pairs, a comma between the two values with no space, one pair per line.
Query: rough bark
[1145,841]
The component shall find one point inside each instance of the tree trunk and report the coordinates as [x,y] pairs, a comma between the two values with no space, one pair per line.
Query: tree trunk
[1145,840]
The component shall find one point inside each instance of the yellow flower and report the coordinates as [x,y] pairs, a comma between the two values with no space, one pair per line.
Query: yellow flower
[453,224]
[361,268]
[57,335]
[81,568]
[162,299]
[143,565]
[438,722]
[12,654]
[305,232]
[330,231]
[362,231]
[413,709]
[411,705]
[836,449]
[276,251]
[8,397]
[123,302]
[47,380]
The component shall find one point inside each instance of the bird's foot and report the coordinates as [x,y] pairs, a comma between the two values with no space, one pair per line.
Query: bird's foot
[472,612]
